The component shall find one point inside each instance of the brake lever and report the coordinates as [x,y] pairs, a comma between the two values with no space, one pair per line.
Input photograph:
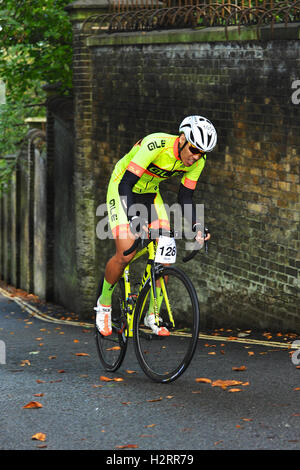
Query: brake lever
[194,252]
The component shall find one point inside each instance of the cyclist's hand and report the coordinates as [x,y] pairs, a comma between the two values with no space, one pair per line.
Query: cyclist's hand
[138,227]
[201,238]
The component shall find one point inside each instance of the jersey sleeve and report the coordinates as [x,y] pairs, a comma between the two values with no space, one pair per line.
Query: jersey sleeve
[144,152]
[190,178]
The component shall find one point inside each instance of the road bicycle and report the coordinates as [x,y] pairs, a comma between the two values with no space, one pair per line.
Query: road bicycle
[172,298]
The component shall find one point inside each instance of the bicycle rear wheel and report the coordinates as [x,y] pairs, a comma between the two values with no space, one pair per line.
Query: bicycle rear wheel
[165,358]
[112,349]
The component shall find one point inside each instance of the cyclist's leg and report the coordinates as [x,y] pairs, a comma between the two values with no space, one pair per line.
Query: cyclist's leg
[117,263]
[123,237]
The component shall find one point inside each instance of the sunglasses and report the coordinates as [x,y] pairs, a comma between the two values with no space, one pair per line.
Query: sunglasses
[195,151]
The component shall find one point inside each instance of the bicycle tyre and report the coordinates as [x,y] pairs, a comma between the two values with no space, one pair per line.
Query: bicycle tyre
[112,349]
[158,356]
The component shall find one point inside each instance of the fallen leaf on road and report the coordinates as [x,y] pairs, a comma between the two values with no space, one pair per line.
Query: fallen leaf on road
[81,354]
[25,362]
[250,353]
[235,390]
[38,395]
[130,371]
[107,379]
[33,404]
[239,368]
[114,348]
[61,371]
[203,380]
[150,425]
[225,383]
[39,436]
[127,446]
[39,381]
[155,399]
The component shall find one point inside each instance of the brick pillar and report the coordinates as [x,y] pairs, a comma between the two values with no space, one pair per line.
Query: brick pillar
[26,172]
[15,228]
[84,183]
[50,207]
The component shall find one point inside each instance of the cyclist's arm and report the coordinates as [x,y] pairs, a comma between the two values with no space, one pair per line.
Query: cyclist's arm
[185,199]
[125,190]
[186,192]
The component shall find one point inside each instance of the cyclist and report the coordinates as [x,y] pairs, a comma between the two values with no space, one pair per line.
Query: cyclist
[135,180]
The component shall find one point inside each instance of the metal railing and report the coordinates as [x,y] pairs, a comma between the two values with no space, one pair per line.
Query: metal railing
[189,15]
[118,6]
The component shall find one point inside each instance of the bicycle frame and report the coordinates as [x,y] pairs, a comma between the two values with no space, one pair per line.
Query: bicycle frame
[149,274]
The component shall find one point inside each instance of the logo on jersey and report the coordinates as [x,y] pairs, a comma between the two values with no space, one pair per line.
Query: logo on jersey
[112,210]
[155,145]
[161,172]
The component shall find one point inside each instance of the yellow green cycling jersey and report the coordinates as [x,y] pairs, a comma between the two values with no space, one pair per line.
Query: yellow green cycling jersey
[150,161]
[154,159]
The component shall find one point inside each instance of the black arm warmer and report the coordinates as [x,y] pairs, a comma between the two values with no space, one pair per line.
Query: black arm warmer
[125,190]
[185,198]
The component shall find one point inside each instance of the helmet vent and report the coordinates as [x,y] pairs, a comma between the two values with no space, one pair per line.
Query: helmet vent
[201,133]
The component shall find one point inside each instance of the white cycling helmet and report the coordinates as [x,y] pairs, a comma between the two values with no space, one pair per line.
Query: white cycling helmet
[199,132]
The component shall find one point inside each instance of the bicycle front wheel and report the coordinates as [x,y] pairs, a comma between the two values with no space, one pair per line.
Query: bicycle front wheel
[112,349]
[165,358]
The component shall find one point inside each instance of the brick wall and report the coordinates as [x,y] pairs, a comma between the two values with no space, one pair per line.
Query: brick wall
[250,186]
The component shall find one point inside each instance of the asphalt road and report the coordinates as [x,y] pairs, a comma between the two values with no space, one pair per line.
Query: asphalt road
[57,366]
